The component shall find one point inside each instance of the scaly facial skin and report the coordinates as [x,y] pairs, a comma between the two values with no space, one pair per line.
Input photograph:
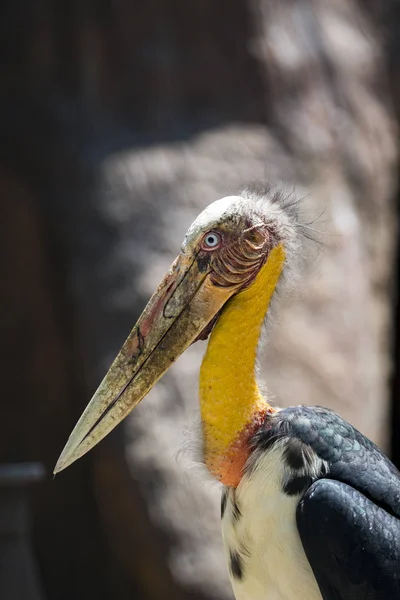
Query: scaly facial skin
[222,253]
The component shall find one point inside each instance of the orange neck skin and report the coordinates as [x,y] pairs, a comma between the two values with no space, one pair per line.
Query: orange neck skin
[228,468]
[232,407]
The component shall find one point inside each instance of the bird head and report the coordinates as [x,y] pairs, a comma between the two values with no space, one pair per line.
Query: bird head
[222,252]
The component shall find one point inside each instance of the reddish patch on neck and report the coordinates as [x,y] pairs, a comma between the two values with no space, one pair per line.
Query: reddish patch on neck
[228,469]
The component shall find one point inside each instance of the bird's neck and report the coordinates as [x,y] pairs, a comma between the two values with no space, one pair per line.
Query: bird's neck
[232,407]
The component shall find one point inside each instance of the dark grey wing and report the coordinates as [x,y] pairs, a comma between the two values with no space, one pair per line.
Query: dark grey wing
[352,458]
[352,545]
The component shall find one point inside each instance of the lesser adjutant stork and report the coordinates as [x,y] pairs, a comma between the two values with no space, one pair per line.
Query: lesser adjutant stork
[310,507]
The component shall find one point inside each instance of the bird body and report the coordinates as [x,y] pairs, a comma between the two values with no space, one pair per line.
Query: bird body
[309,471]
[310,508]
[262,544]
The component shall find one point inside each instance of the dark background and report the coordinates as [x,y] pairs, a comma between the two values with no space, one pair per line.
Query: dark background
[119,121]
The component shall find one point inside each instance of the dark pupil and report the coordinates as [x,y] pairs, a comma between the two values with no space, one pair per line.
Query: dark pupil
[211,240]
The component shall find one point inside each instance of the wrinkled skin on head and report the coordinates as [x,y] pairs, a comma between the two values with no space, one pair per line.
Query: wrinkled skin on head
[222,253]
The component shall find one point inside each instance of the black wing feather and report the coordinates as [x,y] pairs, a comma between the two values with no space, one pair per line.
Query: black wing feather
[352,545]
[352,458]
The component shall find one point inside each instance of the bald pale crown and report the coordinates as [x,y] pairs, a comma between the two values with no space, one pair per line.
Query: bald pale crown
[245,230]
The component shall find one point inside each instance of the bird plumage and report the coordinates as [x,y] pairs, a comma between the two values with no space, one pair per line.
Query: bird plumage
[316,514]
[263,549]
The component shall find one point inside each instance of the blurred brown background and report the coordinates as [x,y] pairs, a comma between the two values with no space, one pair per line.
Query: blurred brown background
[120,120]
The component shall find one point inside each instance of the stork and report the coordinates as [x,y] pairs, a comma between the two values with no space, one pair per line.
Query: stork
[310,507]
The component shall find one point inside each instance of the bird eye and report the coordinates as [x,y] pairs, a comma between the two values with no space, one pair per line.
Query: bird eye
[211,241]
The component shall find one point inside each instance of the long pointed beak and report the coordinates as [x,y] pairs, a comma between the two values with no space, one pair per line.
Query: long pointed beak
[182,306]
